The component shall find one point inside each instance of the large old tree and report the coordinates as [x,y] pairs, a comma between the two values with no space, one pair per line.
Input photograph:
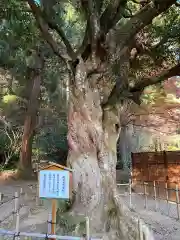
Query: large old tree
[114,39]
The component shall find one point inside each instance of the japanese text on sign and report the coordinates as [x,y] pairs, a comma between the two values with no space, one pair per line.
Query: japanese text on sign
[54,184]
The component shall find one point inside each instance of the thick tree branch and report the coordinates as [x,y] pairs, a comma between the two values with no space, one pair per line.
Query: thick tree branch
[112,14]
[120,92]
[94,23]
[85,41]
[109,18]
[99,4]
[92,9]
[143,18]
[143,44]
[154,52]
[58,29]
[44,26]
[174,71]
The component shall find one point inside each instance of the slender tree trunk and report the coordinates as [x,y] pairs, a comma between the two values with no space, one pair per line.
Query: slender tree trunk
[25,163]
[124,146]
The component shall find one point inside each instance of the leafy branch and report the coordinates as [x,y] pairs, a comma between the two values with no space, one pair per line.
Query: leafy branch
[119,92]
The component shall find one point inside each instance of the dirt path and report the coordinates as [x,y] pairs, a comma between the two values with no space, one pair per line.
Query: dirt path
[33,218]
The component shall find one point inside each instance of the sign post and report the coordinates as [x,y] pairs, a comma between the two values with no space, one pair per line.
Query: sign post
[54,184]
[53,223]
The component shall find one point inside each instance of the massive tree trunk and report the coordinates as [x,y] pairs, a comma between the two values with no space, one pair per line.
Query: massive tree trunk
[90,156]
[92,137]
[25,163]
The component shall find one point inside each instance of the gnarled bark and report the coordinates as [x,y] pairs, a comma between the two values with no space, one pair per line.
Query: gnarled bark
[92,137]
[89,156]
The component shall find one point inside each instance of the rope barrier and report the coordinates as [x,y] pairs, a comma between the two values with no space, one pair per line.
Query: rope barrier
[8,200]
[11,214]
[52,223]
[41,235]
[16,235]
[46,237]
[16,220]
[8,216]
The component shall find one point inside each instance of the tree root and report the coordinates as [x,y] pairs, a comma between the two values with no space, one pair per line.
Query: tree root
[120,223]
[70,224]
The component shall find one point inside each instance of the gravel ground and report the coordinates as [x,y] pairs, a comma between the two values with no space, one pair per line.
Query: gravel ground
[164,227]
[33,218]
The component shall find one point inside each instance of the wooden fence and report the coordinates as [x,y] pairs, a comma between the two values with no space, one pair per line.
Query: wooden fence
[151,197]
[161,167]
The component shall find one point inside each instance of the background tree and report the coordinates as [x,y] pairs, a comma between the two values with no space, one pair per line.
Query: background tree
[19,38]
[34,68]
[153,126]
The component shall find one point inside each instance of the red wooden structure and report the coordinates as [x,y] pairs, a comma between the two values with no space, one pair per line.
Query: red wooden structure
[162,167]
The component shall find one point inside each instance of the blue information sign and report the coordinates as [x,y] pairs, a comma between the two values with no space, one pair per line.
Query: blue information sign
[54,184]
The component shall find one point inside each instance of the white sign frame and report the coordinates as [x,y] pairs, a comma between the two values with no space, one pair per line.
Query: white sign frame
[54,184]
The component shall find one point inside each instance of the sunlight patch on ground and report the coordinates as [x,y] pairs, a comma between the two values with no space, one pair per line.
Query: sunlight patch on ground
[8,175]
